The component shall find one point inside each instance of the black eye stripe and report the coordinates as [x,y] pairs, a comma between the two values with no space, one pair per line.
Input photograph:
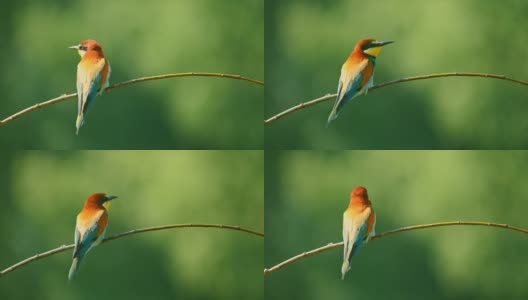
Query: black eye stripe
[370,45]
[84,48]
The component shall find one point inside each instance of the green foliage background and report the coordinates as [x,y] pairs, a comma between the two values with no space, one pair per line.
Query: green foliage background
[139,39]
[42,192]
[307,193]
[308,41]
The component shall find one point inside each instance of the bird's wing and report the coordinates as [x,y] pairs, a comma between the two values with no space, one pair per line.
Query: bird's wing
[348,229]
[80,95]
[89,230]
[88,82]
[369,72]
[105,77]
[371,225]
[352,80]
[355,228]
[76,241]
[349,238]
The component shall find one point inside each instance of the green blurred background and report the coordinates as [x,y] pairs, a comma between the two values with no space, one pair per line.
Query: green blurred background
[307,193]
[308,41]
[139,39]
[42,192]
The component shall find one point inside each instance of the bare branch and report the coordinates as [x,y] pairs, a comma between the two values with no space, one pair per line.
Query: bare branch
[122,84]
[120,235]
[379,86]
[387,233]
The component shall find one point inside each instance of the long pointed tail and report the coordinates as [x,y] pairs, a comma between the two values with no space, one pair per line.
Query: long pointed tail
[346,260]
[332,116]
[344,268]
[74,267]
[79,122]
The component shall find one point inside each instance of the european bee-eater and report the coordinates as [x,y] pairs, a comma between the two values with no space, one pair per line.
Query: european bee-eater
[357,74]
[90,228]
[93,73]
[359,221]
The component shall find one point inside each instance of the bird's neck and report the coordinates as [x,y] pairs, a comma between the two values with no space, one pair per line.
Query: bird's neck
[359,202]
[358,55]
[93,205]
[93,55]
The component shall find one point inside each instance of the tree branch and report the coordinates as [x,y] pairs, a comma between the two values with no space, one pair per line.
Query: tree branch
[379,86]
[122,84]
[120,235]
[387,233]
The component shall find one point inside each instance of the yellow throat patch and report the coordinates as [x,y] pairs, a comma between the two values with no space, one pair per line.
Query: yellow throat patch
[107,205]
[373,51]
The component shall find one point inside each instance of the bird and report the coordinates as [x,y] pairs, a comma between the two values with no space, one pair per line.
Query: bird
[359,222]
[357,74]
[90,228]
[93,74]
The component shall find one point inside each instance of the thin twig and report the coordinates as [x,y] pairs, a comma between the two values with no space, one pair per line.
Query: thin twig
[120,235]
[387,233]
[122,84]
[379,86]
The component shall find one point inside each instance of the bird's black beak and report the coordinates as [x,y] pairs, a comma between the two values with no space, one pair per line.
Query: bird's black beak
[108,198]
[383,43]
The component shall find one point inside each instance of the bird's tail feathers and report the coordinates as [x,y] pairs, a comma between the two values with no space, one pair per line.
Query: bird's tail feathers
[348,255]
[79,122]
[333,115]
[336,109]
[74,267]
[344,268]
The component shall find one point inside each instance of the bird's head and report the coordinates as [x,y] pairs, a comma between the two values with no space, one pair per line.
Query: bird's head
[360,192]
[87,45]
[100,199]
[371,47]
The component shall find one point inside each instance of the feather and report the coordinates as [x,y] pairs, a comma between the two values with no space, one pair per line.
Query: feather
[350,85]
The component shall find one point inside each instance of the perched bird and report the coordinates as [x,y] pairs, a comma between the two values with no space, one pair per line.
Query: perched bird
[93,73]
[359,221]
[357,74]
[90,228]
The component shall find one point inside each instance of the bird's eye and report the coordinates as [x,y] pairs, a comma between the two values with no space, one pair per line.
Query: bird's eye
[83,48]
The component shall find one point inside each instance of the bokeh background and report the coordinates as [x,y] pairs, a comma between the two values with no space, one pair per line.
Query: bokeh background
[307,193]
[139,39]
[42,192]
[308,41]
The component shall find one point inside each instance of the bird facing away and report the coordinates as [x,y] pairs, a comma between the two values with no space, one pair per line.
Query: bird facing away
[90,228]
[93,73]
[357,74]
[359,221]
